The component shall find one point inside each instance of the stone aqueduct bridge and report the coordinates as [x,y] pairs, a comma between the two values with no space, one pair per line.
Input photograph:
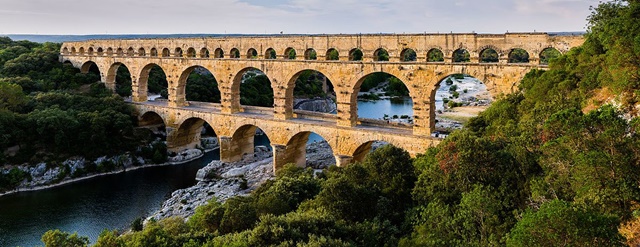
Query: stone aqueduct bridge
[227,58]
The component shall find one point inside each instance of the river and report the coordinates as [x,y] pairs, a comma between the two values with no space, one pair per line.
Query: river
[114,201]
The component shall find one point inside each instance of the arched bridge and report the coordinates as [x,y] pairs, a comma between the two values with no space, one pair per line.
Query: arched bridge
[344,59]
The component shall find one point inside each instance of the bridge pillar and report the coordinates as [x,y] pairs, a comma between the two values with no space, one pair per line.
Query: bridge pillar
[232,149]
[347,114]
[282,109]
[138,93]
[292,154]
[343,160]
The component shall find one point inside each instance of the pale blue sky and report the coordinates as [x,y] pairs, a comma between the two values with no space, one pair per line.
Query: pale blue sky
[290,16]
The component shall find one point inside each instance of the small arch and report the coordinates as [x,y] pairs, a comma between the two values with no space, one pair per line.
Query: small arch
[81,51]
[270,54]
[408,55]
[290,53]
[548,54]
[131,52]
[518,55]
[65,51]
[141,52]
[244,140]
[235,53]
[435,55]
[218,53]
[489,55]
[204,53]
[461,56]
[252,53]
[355,55]
[120,52]
[151,118]
[100,51]
[191,52]
[119,79]
[90,51]
[166,52]
[333,54]
[153,52]
[310,54]
[73,51]
[177,52]
[381,55]
[109,51]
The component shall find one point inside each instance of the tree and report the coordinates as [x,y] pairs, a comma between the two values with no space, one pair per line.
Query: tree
[57,238]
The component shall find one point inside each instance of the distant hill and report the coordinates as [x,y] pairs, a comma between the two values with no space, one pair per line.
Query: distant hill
[64,38]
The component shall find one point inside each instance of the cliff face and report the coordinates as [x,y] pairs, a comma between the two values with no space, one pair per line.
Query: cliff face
[325,105]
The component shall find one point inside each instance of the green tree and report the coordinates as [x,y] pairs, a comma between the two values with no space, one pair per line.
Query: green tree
[57,238]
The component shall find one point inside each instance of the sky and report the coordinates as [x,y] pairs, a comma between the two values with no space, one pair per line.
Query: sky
[291,16]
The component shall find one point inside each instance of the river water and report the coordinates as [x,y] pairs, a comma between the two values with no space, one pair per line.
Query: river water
[114,201]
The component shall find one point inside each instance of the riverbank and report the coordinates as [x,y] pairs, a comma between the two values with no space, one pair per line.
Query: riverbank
[43,178]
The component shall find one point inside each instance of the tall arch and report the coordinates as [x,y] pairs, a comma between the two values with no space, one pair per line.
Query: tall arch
[152,79]
[119,79]
[310,88]
[251,87]
[435,55]
[369,108]
[197,83]
[270,53]
[381,55]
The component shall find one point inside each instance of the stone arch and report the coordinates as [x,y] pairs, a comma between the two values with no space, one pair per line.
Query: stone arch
[143,82]
[90,51]
[151,117]
[153,52]
[218,53]
[547,54]
[252,53]
[109,51]
[188,134]
[166,52]
[361,152]
[489,54]
[65,51]
[270,54]
[377,120]
[177,52]
[141,52]
[408,55]
[461,55]
[310,54]
[235,53]
[112,82]
[100,51]
[131,52]
[191,52]
[241,143]
[355,54]
[204,53]
[332,54]
[181,88]
[296,149]
[237,81]
[86,66]
[81,51]
[381,55]
[290,53]
[119,52]
[518,55]
[291,85]
[73,51]
[435,55]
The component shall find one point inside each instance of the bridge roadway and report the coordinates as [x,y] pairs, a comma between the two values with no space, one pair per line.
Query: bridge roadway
[288,137]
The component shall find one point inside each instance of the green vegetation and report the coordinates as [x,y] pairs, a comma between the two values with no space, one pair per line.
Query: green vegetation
[309,85]
[203,87]
[256,91]
[489,56]
[518,56]
[333,55]
[548,54]
[356,55]
[395,88]
[435,55]
[461,56]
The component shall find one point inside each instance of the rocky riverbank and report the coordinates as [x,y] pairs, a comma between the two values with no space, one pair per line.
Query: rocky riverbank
[222,180]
